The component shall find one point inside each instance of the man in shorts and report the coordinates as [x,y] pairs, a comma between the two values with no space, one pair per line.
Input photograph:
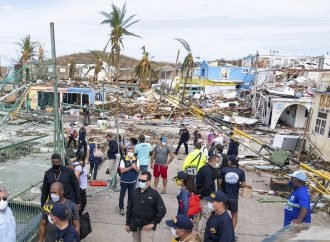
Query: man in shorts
[162,156]
[232,178]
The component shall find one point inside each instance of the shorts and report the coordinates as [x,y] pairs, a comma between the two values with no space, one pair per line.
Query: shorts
[232,205]
[160,171]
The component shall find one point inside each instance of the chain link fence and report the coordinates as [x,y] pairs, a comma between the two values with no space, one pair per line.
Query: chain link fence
[26,144]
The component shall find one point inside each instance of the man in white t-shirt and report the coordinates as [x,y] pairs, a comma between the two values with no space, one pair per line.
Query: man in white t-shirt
[129,169]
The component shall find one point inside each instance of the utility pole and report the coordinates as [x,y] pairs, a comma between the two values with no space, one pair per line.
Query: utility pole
[174,71]
[255,83]
[58,142]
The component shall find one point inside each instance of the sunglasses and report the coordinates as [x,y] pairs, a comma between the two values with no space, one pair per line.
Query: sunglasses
[140,180]
[3,199]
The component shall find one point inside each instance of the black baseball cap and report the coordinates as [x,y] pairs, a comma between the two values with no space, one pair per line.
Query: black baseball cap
[59,210]
[217,197]
[181,221]
[181,175]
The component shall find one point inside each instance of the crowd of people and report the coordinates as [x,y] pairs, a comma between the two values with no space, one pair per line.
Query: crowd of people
[208,187]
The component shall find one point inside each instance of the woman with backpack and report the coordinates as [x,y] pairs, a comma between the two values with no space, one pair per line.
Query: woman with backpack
[81,173]
[187,189]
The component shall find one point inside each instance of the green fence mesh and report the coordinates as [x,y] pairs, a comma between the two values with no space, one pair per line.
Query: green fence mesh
[26,144]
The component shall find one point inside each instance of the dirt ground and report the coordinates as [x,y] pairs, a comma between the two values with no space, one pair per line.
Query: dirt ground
[255,220]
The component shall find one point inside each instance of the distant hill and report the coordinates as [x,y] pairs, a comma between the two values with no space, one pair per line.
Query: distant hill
[88,58]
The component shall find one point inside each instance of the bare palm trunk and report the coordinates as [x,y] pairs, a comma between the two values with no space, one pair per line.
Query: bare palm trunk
[174,72]
[185,82]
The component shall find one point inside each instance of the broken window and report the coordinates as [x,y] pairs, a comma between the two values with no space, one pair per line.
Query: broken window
[321,122]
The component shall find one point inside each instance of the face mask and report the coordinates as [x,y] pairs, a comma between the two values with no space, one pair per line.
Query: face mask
[56,167]
[164,143]
[143,185]
[178,183]
[55,197]
[217,165]
[291,184]
[130,154]
[210,206]
[3,205]
[50,219]
[173,231]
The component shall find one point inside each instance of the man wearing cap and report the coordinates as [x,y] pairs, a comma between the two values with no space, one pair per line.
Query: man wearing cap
[231,179]
[143,150]
[298,209]
[182,229]
[162,156]
[47,230]
[219,226]
[58,215]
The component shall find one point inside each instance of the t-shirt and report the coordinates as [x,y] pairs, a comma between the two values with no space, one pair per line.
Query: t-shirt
[299,199]
[51,228]
[69,234]
[83,174]
[143,153]
[231,178]
[219,228]
[161,154]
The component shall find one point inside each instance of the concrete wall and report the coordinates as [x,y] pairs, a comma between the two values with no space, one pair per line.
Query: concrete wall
[322,142]
[294,116]
[278,106]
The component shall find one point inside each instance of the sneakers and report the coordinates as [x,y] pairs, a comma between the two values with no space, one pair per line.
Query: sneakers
[122,212]
[89,176]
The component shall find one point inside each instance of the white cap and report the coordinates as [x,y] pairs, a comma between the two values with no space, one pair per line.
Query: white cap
[299,175]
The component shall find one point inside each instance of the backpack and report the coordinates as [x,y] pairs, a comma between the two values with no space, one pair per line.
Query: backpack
[194,205]
[192,170]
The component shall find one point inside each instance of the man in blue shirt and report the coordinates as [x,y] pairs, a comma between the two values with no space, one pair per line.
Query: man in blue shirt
[298,209]
[143,151]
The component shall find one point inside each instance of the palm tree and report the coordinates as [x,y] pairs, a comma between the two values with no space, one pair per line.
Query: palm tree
[187,65]
[144,68]
[119,24]
[28,48]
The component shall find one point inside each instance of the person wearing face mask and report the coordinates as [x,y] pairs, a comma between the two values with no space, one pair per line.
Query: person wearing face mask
[64,175]
[194,161]
[47,230]
[7,220]
[182,229]
[145,210]
[186,188]
[58,216]
[219,226]
[205,185]
[162,156]
[298,208]
[129,169]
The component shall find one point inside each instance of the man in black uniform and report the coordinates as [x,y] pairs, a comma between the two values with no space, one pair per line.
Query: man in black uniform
[66,176]
[219,226]
[145,210]
[231,179]
[82,139]
[184,138]
[205,183]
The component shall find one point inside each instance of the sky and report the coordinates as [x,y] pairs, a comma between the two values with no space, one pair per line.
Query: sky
[214,29]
